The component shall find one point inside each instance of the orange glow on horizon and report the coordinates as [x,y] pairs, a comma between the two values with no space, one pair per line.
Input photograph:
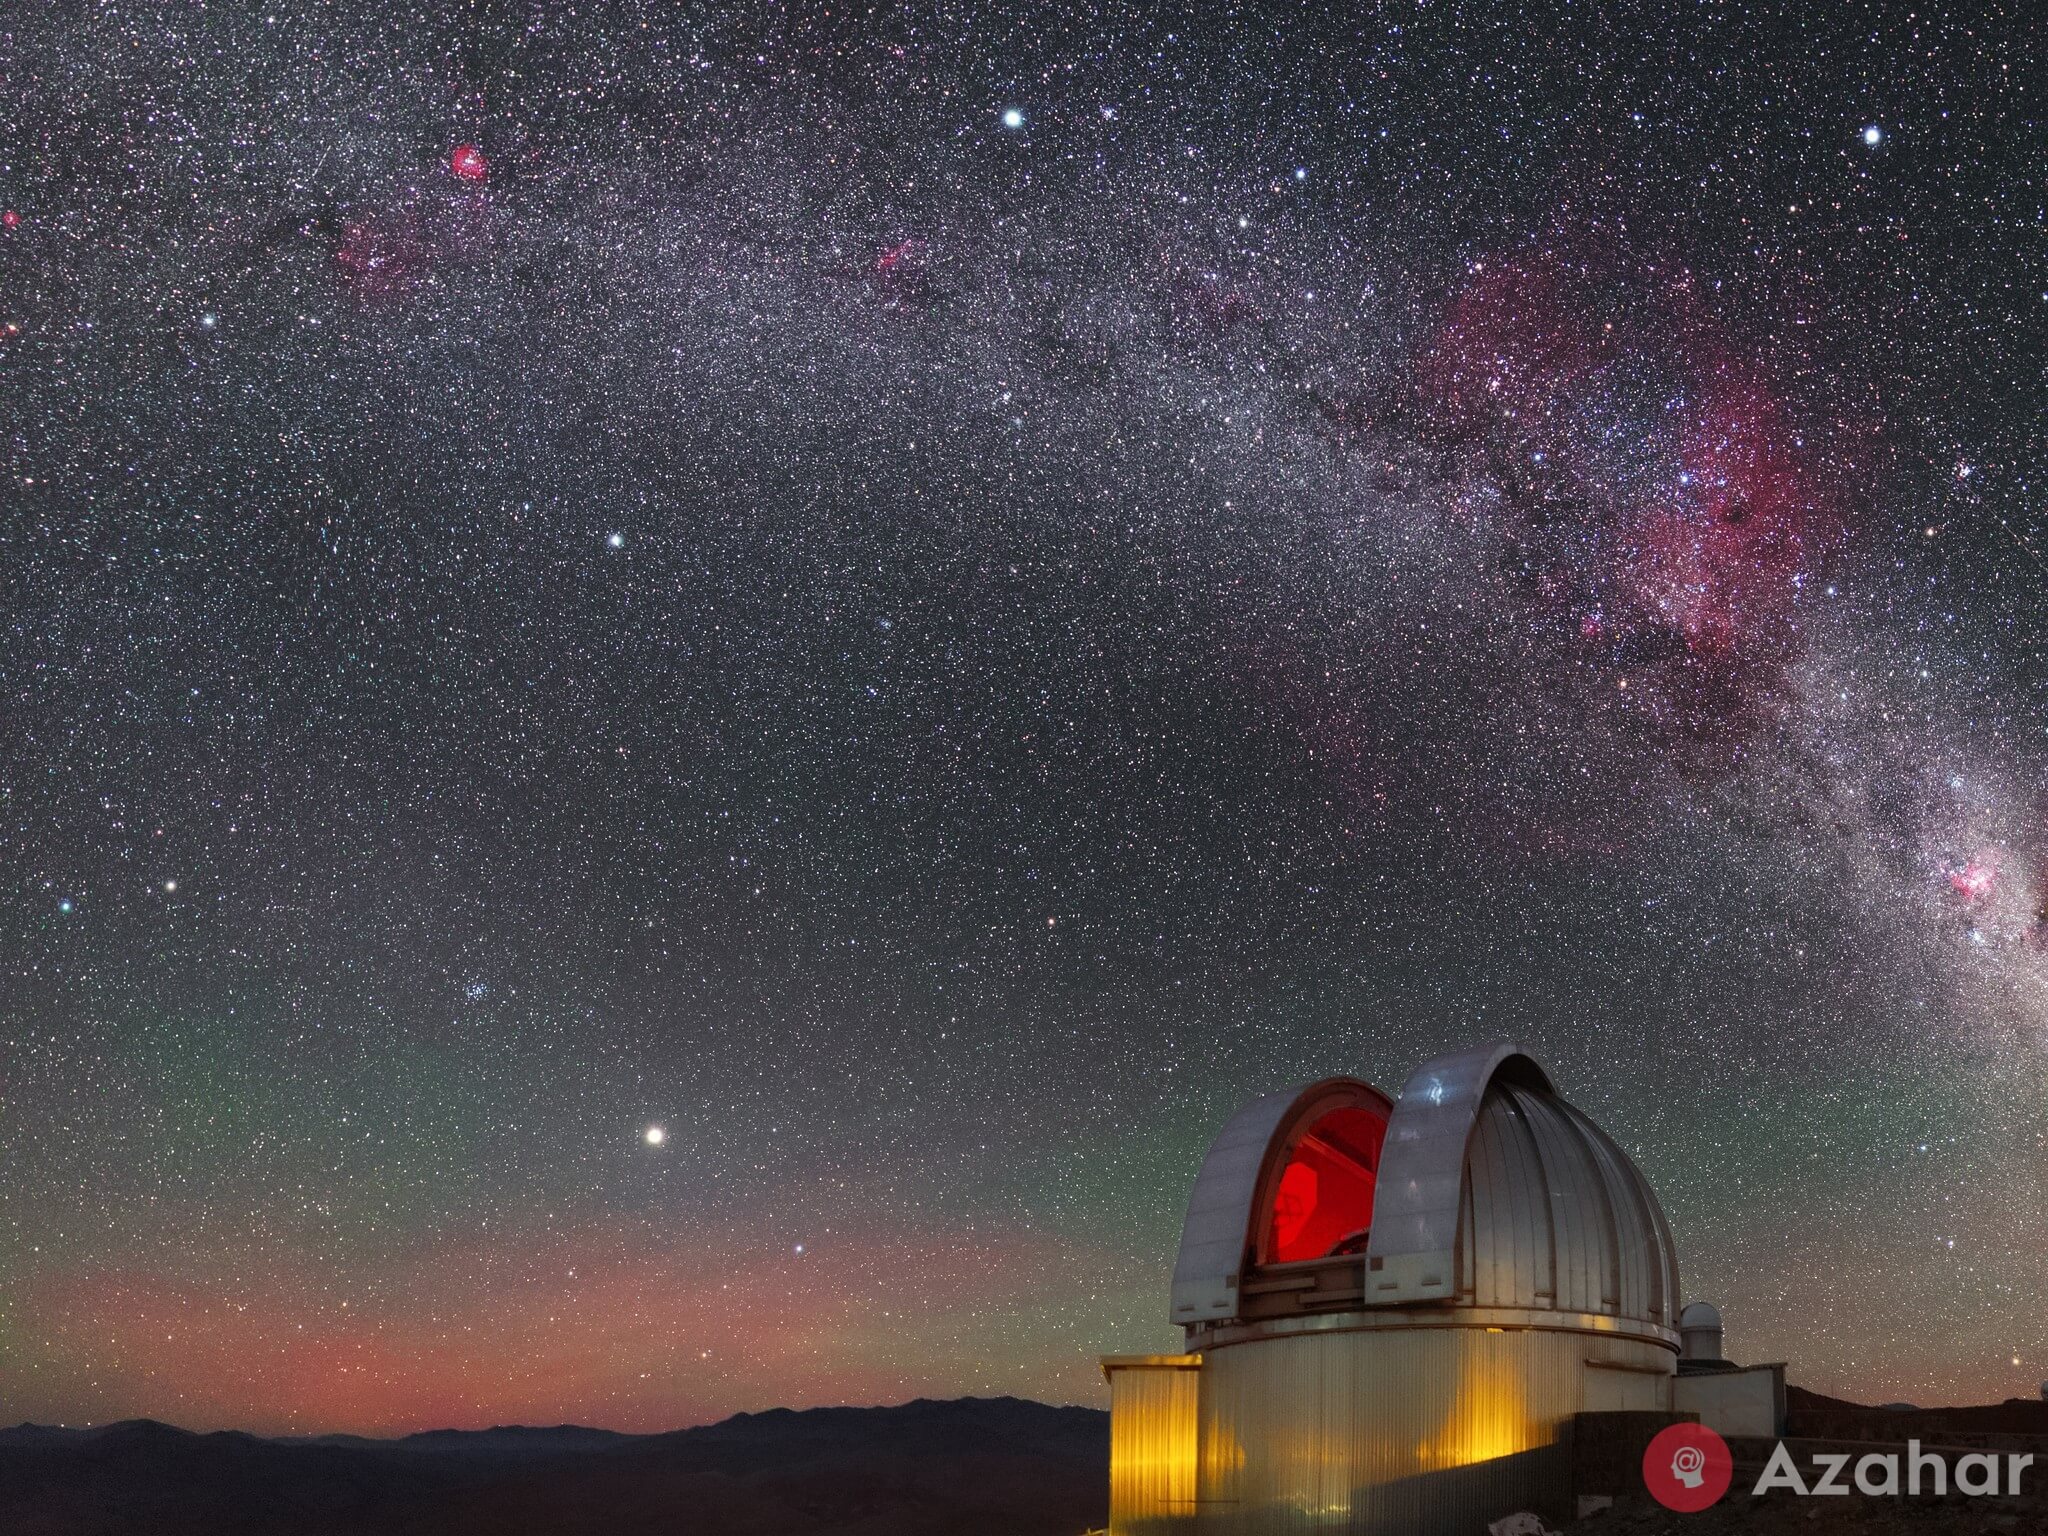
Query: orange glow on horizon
[570,1328]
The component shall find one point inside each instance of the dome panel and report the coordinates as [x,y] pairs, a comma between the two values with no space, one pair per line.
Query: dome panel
[1232,1211]
[1647,1251]
[1414,1255]
[1214,1233]
[1506,1256]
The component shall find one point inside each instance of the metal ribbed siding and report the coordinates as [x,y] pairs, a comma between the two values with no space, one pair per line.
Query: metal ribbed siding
[1152,1445]
[1509,1255]
[1555,1216]
[1409,1431]
[1647,1252]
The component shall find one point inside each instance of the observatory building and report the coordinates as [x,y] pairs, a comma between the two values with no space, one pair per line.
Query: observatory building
[1395,1310]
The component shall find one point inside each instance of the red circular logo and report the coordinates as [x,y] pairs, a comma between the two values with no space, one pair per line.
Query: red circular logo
[1687,1467]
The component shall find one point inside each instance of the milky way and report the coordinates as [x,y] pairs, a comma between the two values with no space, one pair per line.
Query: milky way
[924,603]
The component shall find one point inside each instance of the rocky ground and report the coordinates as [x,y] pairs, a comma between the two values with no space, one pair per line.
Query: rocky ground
[1953,1516]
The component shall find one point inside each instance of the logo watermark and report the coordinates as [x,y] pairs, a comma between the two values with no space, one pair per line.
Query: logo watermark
[1689,1468]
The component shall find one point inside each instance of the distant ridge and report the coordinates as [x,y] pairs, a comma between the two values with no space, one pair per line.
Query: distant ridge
[970,1467]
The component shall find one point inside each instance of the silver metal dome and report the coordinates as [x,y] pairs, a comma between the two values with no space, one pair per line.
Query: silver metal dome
[1699,1327]
[1491,1193]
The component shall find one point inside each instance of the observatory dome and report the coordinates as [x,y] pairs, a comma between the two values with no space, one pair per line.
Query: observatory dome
[1394,1309]
[1480,1187]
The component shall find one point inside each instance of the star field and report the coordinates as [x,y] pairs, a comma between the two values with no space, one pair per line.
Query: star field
[688,694]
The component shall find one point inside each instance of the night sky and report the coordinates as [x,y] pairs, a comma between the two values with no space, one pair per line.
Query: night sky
[685,696]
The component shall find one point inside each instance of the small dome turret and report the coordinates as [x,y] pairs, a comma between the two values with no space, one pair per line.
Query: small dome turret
[1699,1329]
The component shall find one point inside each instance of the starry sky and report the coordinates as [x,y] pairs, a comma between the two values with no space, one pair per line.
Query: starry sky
[687,693]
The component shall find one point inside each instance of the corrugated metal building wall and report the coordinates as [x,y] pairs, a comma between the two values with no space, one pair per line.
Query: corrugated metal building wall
[1153,1422]
[1403,1429]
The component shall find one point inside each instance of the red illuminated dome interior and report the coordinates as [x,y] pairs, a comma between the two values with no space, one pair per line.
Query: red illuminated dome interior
[1323,1202]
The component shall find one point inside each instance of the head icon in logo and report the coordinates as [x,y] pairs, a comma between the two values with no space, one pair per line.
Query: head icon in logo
[1687,1467]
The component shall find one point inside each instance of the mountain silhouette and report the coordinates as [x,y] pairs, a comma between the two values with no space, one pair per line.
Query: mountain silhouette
[972,1467]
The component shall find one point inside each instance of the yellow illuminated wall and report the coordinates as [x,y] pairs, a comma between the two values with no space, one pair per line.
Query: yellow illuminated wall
[1387,1431]
[1152,1427]
[1396,1431]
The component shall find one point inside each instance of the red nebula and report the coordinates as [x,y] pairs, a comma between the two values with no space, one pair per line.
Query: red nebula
[897,255]
[1723,565]
[1655,487]
[902,273]
[1974,880]
[468,163]
[10,219]
[384,252]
